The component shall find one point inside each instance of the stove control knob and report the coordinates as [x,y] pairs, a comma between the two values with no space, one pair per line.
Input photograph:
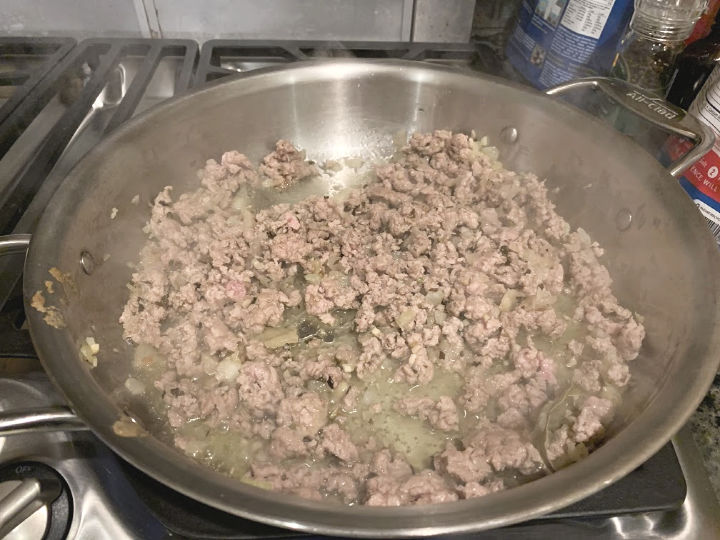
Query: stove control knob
[22,500]
[33,502]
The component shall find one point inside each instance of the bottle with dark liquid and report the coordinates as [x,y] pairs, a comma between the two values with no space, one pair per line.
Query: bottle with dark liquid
[694,66]
[705,22]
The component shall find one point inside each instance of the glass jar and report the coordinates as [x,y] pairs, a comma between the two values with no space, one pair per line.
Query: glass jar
[657,31]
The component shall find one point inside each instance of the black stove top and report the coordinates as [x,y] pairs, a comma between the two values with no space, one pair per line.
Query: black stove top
[59,84]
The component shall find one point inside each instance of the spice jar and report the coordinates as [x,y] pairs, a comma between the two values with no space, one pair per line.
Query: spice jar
[655,37]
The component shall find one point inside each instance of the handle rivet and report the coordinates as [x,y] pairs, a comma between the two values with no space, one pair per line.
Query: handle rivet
[623,219]
[509,135]
[87,263]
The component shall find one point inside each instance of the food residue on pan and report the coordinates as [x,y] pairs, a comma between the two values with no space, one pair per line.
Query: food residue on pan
[64,279]
[52,315]
[89,350]
[128,427]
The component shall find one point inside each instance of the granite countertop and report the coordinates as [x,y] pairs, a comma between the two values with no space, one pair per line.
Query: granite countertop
[705,425]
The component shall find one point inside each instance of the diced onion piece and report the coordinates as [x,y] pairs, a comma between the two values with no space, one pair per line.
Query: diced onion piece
[194,447]
[354,163]
[405,319]
[134,386]
[88,350]
[94,347]
[434,297]
[227,370]
[255,482]
[208,364]
[341,389]
[509,300]
[543,299]
[490,151]
[613,393]
[239,202]
[273,338]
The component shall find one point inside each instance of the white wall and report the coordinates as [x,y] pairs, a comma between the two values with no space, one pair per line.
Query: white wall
[443,20]
[288,19]
[75,18]
[372,20]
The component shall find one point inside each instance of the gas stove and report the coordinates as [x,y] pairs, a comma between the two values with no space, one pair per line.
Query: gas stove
[57,100]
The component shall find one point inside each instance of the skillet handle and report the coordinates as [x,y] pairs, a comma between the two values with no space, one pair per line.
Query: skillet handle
[39,420]
[653,109]
[14,243]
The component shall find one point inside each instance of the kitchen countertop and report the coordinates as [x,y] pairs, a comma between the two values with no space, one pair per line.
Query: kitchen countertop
[705,424]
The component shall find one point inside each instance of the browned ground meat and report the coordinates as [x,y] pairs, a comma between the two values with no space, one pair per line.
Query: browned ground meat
[286,166]
[440,333]
[441,414]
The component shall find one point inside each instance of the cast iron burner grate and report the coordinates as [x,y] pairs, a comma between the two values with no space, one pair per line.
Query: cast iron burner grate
[220,57]
[23,63]
[90,86]
[75,83]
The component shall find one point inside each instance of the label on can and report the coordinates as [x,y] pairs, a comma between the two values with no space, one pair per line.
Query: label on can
[703,185]
[558,40]
[702,180]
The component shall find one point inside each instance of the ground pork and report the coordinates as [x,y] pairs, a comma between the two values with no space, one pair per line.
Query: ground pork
[259,387]
[441,414]
[306,413]
[298,345]
[338,443]
[286,166]
[425,487]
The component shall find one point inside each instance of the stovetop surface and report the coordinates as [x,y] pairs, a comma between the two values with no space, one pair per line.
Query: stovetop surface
[64,98]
